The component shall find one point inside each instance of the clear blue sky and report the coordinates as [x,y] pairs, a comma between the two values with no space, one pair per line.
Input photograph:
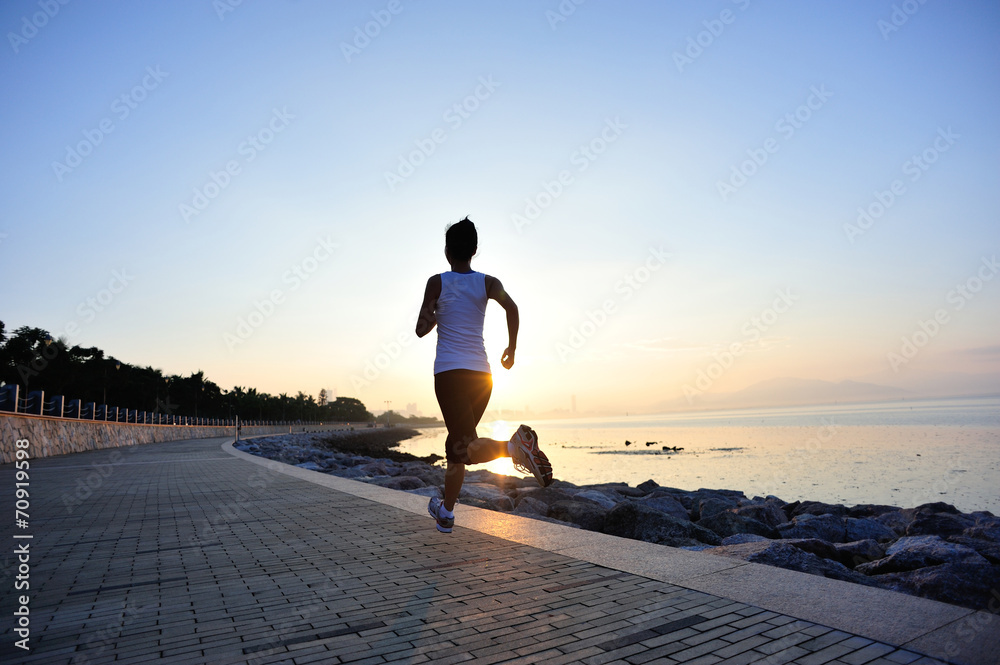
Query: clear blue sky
[667,124]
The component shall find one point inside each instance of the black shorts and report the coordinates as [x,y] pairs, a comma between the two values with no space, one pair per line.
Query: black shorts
[462,395]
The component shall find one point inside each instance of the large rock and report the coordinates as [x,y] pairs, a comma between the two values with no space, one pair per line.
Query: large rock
[913,552]
[936,507]
[531,507]
[485,495]
[769,513]
[630,492]
[896,520]
[352,472]
[987,549]
[870,510]
[806,525]
[968,584]
[377,468]
[867,529]
[938,524]
[597,497]
[790,557]
[647,486]
[990,533]
[859,552]
[633,520]
[667,504]
[713,506]
[815,508]
[729,523]
[547,495]
[431,475]
[588,515]
[399,482]
[312,466]
[740,538]
[820,548]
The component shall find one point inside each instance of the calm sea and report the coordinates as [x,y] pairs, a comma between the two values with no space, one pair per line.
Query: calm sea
[900,453]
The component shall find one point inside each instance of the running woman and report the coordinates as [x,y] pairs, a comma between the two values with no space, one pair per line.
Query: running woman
[455,302]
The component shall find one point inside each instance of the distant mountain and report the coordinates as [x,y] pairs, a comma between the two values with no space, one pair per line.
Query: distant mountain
[788,391]
[941,384]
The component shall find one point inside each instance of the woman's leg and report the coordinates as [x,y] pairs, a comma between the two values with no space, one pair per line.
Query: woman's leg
[484,450]
[462,396]
[487,450]
[454,476]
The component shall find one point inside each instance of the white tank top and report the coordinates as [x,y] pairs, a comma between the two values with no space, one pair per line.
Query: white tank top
[461,309]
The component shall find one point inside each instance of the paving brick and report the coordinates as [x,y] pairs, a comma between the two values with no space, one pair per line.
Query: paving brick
[741,646]
[867,654]
[825,655]
[902,657]
[699,650]
[825,640]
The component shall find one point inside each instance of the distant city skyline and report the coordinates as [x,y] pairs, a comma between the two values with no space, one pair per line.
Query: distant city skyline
[685,200]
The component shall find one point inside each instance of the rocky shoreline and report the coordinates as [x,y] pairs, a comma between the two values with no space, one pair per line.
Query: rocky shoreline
[933,550]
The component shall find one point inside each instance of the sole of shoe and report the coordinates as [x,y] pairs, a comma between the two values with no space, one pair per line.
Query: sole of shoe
[543,474]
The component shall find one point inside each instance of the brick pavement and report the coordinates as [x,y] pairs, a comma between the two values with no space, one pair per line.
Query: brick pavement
[184,553]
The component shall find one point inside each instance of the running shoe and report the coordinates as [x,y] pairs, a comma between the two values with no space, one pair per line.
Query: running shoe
[444,524]
[528,458]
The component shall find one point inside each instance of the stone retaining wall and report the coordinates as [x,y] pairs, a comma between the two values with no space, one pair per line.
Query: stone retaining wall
[60,436]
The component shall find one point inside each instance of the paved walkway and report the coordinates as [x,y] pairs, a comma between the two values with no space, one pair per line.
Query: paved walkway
[193,553]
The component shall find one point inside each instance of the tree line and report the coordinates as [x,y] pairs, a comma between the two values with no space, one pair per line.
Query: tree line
[33,359]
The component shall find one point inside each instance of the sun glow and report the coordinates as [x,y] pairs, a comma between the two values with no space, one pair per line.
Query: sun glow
[500,430]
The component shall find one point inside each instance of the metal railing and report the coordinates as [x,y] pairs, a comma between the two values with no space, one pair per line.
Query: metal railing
[35,403]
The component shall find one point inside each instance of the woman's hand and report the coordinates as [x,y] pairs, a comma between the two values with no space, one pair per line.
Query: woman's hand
[507,360]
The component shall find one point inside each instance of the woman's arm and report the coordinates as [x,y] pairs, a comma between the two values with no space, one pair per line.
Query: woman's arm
[426,319]
[495,291]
